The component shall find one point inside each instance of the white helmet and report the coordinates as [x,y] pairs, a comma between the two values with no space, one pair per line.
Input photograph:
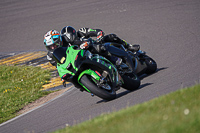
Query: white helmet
[52,40]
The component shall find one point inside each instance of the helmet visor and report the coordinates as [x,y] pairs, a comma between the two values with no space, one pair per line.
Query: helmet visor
[53,46]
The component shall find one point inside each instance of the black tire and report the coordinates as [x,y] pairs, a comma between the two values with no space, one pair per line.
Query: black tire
[104,94]
[151,65]
[131,82]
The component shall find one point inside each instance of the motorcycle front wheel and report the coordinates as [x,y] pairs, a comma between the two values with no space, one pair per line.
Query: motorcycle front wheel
[151,65]
[131,81]
[94,89]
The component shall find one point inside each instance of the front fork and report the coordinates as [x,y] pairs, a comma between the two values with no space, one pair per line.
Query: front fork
[88,72]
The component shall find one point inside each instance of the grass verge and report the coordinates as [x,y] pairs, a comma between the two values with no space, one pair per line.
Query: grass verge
[176,112]
[19,86]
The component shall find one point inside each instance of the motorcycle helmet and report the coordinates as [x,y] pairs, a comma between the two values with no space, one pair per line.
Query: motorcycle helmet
[69,34]
[52,40]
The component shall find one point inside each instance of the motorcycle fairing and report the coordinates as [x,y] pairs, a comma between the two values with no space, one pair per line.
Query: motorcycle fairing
[66,66]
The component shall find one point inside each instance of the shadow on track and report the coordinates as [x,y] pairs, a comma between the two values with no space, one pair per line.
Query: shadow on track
[141,86]
[125,93]
[146,75]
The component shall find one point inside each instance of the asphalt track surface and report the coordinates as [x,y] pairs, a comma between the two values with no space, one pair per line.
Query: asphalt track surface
[169,31]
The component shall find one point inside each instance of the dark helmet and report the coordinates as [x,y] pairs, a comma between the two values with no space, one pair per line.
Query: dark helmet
[68,33]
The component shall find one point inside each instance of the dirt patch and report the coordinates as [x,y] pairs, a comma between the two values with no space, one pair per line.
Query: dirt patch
[42,100]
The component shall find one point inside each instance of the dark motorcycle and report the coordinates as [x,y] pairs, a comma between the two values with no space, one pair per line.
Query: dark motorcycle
[142,63]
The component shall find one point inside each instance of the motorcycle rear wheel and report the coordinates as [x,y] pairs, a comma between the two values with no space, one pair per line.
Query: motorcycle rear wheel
[100,92]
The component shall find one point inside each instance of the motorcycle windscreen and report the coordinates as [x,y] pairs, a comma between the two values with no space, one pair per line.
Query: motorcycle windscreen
[59,55]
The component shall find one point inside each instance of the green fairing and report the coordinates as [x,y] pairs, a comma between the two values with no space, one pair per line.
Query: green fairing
[62,70]
[103,61]
[88,72]
[71,56]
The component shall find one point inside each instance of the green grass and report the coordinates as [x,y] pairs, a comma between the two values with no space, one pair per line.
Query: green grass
[19,86]
[178,112]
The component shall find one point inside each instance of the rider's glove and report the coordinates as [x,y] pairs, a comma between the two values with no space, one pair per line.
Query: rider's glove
[85,45]
[100,35]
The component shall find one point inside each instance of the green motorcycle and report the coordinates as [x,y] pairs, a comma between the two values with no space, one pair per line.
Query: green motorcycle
[88,72]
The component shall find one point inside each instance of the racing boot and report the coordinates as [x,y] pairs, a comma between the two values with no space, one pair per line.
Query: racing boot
[131,47]
[134,48]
